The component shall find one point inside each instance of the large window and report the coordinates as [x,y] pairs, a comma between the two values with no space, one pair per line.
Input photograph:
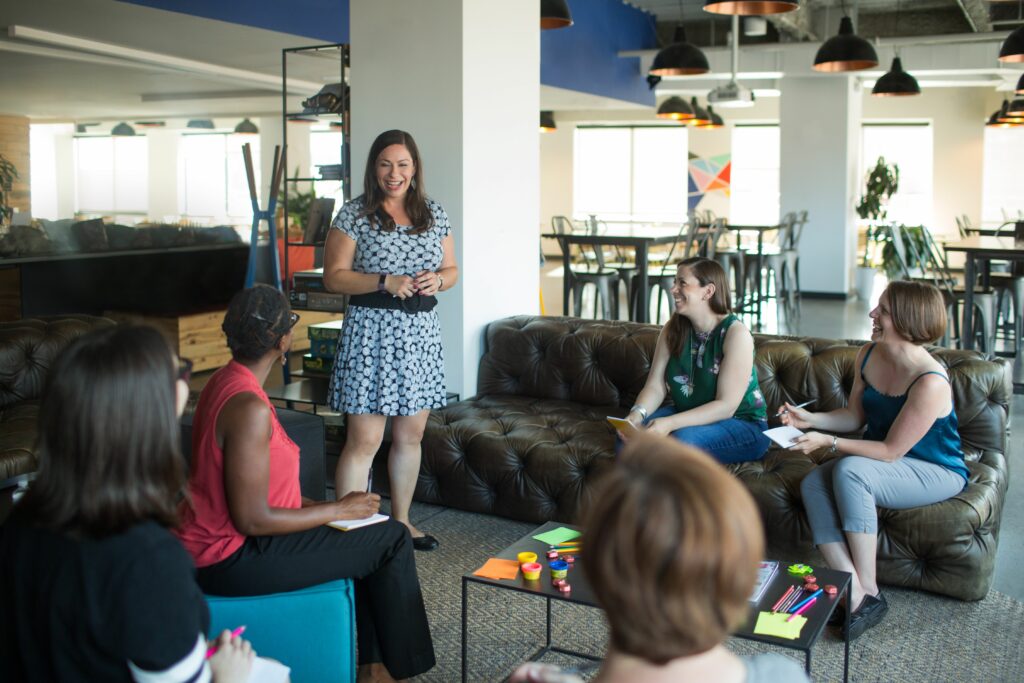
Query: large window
[754,197]
[112,177]
[636,173]
[325,149]
[909,146]
[1001,196]
[211,181]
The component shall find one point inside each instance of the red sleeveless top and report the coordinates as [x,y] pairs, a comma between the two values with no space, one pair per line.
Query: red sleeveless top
[206,530]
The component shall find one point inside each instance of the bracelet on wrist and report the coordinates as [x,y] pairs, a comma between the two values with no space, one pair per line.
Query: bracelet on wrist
[639,409]
[835,444]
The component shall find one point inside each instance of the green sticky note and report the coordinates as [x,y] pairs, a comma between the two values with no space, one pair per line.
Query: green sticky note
[556,536]
[776,624]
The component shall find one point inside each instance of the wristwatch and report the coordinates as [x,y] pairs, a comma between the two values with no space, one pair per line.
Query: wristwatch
[380,283]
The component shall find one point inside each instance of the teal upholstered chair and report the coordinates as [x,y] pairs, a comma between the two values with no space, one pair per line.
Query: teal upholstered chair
[312,630]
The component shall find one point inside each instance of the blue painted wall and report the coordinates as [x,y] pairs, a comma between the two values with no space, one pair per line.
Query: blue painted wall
[325,20]
[584,57]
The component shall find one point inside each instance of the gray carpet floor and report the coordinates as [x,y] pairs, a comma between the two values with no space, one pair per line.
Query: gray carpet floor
[924,638]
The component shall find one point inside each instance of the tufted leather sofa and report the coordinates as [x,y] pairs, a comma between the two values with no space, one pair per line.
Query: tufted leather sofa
[534,438]
[27,349]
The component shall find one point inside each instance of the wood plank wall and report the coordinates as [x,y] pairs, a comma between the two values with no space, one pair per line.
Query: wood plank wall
[14,146]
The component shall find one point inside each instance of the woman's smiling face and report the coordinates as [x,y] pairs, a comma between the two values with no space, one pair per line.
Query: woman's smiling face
[395,170]
[687,291]
[881,320]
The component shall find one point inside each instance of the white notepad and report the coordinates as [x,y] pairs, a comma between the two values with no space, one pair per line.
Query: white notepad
[783,435]
[268,671]
[349,524]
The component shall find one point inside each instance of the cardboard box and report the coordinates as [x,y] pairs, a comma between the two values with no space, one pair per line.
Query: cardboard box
[314,365]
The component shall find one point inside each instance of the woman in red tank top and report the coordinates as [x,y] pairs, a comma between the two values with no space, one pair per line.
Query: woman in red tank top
[249,530]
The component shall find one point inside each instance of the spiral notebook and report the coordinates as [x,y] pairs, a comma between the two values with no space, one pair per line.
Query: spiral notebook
[765,573]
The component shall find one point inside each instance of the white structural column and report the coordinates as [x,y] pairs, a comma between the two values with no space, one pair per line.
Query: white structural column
[819,121]
[462,76]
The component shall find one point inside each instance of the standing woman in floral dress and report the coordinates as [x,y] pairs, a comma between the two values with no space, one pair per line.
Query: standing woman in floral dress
[704,360]
[391,249]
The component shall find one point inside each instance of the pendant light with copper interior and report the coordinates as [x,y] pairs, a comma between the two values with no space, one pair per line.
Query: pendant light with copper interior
[845,51]
[681,58]
[675,108]
[555,14]
[750,7]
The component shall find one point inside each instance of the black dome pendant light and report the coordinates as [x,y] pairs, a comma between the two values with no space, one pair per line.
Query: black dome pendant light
[701,117]
[555,14]
[675,108]
[680,58]
[897,82]
[845,51]
[750,7]
[1020,86]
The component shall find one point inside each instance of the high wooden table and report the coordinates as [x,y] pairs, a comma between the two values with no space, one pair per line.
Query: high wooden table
[979,250]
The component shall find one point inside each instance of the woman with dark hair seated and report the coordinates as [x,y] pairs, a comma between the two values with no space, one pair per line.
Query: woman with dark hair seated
[910,453]
[249,530]
[93,586]
[704,362]
[671,544]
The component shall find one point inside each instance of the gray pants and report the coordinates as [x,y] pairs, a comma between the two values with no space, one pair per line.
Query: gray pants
[841,495]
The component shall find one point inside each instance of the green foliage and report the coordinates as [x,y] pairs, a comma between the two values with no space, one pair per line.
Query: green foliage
[299,202]
[881,183]
[914,248]
[8,174]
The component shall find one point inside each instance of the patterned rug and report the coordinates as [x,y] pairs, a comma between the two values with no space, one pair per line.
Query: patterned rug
[924,637]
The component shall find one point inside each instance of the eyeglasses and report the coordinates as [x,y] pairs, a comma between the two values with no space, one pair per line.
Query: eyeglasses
[185,369]
[293,319]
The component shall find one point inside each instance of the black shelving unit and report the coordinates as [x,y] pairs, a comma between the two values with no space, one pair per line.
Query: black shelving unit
[294,111]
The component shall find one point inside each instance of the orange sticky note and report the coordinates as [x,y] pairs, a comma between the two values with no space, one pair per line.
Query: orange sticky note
[498,569]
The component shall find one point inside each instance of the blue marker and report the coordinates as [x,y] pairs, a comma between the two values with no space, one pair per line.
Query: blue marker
[806,600]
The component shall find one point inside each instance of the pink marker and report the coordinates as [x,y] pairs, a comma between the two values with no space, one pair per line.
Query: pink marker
[234,634]
[806,606]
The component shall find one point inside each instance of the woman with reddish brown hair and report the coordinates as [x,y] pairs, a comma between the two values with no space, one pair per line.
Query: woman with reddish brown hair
[671,547]
[910,454]
[704,361]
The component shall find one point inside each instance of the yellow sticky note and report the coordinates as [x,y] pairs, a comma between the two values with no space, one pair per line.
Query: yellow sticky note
[775,624]
[498,569]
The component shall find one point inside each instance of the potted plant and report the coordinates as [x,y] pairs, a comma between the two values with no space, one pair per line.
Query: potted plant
[881,183]
[8,174]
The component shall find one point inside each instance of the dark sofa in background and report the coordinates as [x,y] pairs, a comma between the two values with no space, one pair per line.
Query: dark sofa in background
[27,350]
[532,441]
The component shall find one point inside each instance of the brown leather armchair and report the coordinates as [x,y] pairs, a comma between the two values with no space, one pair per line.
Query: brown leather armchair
[27,349]
[534,438]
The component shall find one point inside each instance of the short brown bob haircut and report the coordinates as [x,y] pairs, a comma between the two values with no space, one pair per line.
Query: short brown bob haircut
[109,454]
[671,546]
[917,310]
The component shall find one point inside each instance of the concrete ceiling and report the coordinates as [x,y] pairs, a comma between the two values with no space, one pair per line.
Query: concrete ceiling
[188,67]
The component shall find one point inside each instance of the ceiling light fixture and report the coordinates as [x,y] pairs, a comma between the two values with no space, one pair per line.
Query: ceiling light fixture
[845,51]
[732,94]
[896,82]
[247,127]
[700,114]
[1020,86]
[150,124]
[1012,50]
[201,124]
[716,121]
[676,109]
[681,58]
[1001,119]
[555,14]
[122,129]
[750,7]
[547,122]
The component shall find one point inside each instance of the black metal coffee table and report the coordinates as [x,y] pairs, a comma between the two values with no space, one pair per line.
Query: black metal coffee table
[817,616]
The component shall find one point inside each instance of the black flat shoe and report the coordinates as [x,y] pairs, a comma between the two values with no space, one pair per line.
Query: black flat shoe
[870,613]
[427,542]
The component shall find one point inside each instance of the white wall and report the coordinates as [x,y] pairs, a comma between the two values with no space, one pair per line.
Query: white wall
[462,76]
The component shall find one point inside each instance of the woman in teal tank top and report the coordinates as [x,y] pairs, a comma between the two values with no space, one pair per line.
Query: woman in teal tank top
[909,455]
[704,361]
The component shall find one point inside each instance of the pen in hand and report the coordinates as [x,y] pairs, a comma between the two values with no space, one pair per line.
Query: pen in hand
[234,634]
[801,405]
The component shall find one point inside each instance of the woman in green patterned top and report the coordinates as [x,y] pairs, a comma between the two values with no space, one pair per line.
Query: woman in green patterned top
[705,360]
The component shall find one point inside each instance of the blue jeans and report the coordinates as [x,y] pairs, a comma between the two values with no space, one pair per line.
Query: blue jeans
[727,441]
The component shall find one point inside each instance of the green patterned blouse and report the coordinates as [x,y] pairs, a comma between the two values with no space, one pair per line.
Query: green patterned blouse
[692,376]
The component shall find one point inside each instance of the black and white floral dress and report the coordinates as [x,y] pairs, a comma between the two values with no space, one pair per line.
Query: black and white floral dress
[389,362]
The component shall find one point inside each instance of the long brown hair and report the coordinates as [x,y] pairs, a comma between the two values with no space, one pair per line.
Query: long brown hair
[671,546]
[109,453]
[415,196]
[707,272]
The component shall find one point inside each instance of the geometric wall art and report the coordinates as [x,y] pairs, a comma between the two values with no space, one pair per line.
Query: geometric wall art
[710,174]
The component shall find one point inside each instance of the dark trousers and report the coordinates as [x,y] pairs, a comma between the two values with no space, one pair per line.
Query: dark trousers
[391,621]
